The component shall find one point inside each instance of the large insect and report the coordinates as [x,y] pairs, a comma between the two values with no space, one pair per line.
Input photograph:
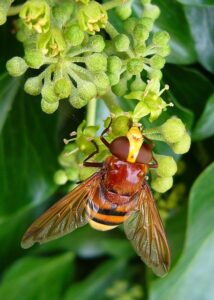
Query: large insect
[118,193]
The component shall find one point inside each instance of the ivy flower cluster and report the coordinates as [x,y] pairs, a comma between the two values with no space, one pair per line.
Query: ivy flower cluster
[79,55]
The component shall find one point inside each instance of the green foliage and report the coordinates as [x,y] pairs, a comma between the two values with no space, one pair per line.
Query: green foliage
[88,264]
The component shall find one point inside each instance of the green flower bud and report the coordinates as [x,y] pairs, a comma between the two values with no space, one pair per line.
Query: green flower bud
[161,38]
[140,33]
[92,17]
[162,184]
[183,145]
[102,83]
[147,23]
[138,85]
[87,90]
[90,131]
[36,15]
[135,66]
[48,93]
[114,78]
[4,7]
[34,58]
[62,13]
[120,89]
[164,51]
[151,11]
[60,177]
[155,75]
[84,145]
[77,102]
[51,43]
[120,125]
[144,2]
[73,35]
[33,86]
[167,166]
[157,62]
[62,88]
[16,66]
[129,25]
[173,130]
[96,43]
[68,160]
[85,173]
[114,64]
[124,11]
[83,1]
[72,174]
[96,62]
[49,108]
[140,49]
[121,42]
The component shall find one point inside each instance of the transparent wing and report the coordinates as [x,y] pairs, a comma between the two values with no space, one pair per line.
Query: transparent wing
[64,216]
[145,230]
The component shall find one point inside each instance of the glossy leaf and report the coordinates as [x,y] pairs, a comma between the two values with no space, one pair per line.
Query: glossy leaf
[89,243]
[8,91]
[204,128]
[189,87]
[197,2]
[173,20]
[201,21]
[96,284]
[196,263]
[33,278]
[27,163]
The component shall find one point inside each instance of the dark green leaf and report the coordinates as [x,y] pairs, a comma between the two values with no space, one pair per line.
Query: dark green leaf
[201,21]
[89,243]
[190,278]
[173,20]
[204,128]
[8,91]
[197,2]
[189,87]
[34,278]
[95,285]
[28,159]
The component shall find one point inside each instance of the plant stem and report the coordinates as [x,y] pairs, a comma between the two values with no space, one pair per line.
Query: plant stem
[91,112]
[111,4]
[111,102]
[111,30]
[14,10]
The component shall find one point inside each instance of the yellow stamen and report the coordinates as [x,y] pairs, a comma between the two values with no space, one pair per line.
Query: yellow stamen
[135,138]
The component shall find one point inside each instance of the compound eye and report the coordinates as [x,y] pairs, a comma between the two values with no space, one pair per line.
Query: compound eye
[145,154]
[120,147]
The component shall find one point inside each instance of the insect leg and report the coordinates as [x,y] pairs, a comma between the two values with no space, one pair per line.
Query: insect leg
[87,163]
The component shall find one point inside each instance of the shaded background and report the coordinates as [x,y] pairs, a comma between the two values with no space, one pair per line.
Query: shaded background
[88,264]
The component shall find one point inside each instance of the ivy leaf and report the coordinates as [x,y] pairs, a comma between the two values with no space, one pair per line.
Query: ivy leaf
[189,87]
[28,159]
[173,20]
[33,278]
[204,128]
[196,263]
[197,2]
[8,91]
[96,284]
[202,33]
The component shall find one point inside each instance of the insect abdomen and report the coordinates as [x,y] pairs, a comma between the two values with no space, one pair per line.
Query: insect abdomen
[104,219]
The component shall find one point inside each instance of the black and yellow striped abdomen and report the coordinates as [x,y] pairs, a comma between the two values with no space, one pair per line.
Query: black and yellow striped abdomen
[104,215]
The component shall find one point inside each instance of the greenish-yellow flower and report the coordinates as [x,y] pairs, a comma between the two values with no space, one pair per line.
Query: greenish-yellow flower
[92,17]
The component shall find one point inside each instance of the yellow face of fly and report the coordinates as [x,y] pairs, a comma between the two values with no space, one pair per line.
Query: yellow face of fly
[135,138]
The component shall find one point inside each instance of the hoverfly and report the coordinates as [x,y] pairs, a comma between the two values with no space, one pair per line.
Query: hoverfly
[118,193]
